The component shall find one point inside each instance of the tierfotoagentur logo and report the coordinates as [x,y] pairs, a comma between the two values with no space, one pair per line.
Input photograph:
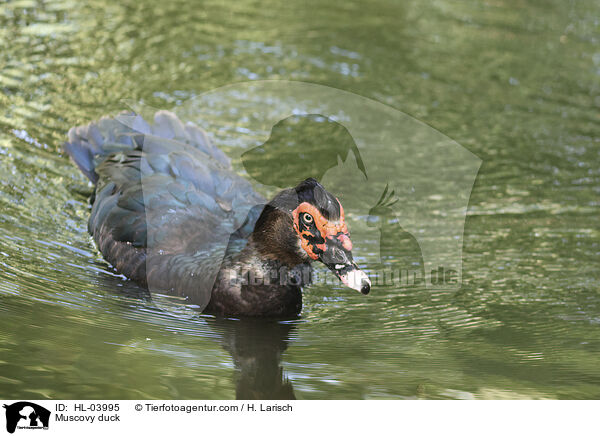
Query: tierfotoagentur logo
[26,415]
[404,186]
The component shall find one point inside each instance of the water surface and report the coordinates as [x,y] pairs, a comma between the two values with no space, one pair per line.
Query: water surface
[515,82]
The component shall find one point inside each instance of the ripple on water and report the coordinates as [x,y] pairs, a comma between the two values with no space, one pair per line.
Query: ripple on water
[523,325]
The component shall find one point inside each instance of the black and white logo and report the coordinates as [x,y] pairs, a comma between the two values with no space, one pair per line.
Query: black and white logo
[26,415]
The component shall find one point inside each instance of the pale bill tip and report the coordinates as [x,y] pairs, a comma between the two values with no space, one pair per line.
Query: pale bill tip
[354,279]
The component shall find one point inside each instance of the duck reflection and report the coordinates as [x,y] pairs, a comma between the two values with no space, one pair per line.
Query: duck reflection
[256,347]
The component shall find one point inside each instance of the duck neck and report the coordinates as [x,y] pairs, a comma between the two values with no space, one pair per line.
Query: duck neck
[265,277]
[252,284]
[274,238]
[262,267]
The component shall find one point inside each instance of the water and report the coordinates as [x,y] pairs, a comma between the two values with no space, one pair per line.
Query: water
[517,83]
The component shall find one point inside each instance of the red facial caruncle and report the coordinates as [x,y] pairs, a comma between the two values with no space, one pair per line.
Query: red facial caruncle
[315,230]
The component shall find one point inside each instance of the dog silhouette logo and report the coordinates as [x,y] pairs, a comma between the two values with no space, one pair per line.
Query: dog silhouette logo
[26,415]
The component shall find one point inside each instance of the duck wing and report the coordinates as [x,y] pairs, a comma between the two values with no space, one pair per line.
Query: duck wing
[166,200]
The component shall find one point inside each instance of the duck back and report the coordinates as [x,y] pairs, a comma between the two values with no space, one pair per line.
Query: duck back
[166,201]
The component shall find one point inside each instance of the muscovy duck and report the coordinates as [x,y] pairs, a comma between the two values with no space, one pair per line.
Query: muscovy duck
[170,213]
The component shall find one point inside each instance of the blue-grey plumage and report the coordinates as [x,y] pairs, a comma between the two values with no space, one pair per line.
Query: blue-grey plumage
[163,192]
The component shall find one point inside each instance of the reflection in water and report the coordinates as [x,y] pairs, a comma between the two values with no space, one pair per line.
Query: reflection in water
[256,347]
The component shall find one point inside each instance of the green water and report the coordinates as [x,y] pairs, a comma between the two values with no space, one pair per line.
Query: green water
[515,82]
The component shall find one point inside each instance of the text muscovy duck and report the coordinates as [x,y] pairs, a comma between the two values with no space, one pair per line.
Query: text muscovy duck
[170,213]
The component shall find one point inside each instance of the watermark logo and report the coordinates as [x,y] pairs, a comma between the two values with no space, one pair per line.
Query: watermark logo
[404,186]
[26,415]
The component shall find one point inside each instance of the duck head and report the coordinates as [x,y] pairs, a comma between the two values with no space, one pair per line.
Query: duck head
[307,223]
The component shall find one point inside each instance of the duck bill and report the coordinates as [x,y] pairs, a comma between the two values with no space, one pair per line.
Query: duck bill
[356,279]
[340,262]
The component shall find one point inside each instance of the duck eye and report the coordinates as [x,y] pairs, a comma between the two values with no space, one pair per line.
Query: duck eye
[307,218]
